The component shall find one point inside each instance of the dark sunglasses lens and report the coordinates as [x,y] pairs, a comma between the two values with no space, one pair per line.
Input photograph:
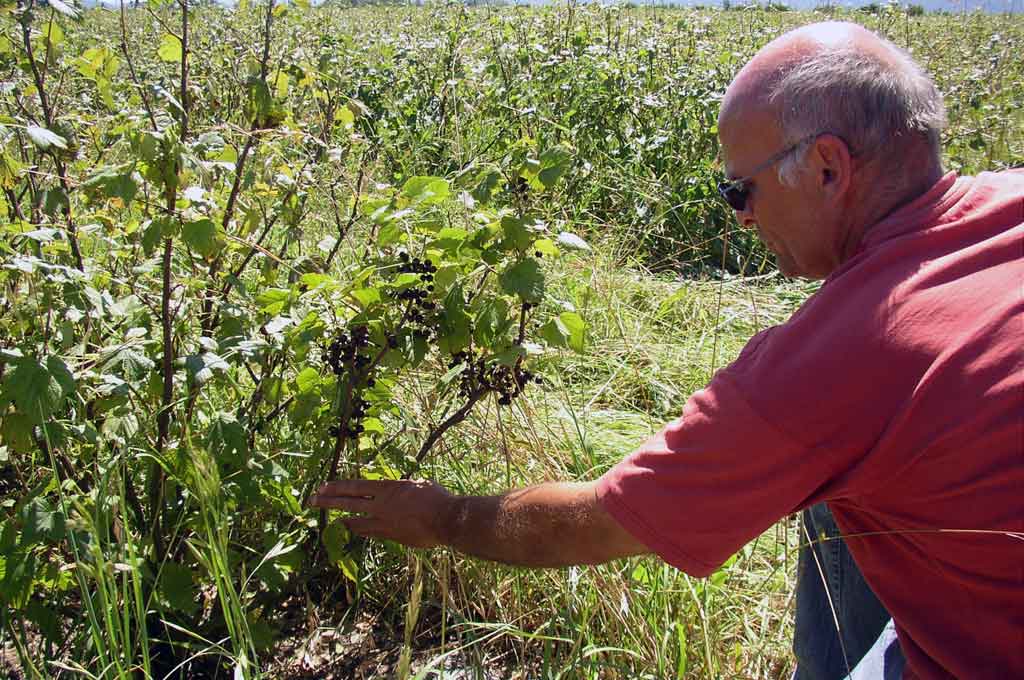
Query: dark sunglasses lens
[734,194]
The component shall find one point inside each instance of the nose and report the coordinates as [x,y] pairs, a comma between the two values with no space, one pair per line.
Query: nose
[745,217]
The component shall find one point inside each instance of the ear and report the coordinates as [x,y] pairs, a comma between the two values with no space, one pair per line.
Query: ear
[832,163]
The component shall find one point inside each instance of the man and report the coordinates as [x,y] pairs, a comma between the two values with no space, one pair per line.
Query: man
[895,394]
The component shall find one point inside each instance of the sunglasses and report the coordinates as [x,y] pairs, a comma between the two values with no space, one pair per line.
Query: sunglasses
[737,191]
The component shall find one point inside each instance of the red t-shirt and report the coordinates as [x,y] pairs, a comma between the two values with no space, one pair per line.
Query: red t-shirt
[895,393]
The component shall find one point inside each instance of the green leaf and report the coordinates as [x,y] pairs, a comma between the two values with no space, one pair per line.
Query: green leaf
[487,182]
[37,390]
[170,48]
[44,618]
[373,425]
[335,538]
[510,356]
[203,237]
[681,639]
[40,522]
[152,235]
[201,367]
[546,247]
[58,370]
[554,162]
[10,171]
[44,138]
[307,380]
[178,588]
[55,201]
[450,239]
[455,323]
[111,182]
[566,330]
[228,439]
[16,432]
[426,190]
[303,407]
[259,100]
[366,296]
[128,364]
[525,279]
[576,327]
[273,300]
[491,321]
[517,236]
[449,377]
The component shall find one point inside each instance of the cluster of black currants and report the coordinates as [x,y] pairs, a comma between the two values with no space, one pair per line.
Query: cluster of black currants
[355,427]
[423,314]
[348,348]
[508,382]
[415,265]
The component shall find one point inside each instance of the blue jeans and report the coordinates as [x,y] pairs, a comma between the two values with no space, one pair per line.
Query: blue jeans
[827,572]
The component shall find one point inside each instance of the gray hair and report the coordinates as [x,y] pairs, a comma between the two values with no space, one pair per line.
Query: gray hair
[875,104]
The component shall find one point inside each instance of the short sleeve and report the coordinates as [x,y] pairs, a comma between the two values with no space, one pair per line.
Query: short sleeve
[786,425]
[710,481]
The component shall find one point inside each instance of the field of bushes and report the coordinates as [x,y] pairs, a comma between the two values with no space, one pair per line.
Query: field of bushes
[246,250]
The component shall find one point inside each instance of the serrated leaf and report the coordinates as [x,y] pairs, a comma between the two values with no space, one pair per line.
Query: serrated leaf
[366,296]
[35,390]
[178,588]
[491,321]
[450,239]
[40,522]
[566,330]
[546,247]
[202,236]
[335,538]
[111,182]
[259,99]
[575,329]
[554,162]
[201,367]
[273,300]
[449,377]
[128,364]
[227,438]
[307,380]
[524,279]
[510,356]
[16,432]
[44,138]
[426,190]
[10,171]
[455,322]
[170,48]
[517,236]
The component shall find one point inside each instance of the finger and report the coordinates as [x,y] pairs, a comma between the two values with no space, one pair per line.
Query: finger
[347,503]
[354,487]
[367,527]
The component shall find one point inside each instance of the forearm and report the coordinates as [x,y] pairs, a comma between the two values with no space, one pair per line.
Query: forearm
[548,525]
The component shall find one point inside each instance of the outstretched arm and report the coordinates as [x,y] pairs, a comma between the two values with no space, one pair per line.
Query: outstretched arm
[548,525]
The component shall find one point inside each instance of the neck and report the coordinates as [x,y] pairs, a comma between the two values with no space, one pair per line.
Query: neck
[886,190]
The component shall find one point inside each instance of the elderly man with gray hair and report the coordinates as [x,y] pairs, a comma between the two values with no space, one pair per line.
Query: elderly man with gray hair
[890,407]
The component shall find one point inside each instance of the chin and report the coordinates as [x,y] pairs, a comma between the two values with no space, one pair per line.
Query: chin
[792,270]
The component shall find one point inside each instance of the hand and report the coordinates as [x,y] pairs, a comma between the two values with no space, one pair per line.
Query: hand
[413,513]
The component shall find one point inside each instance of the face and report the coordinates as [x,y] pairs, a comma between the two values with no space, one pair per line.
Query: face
[791,221]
